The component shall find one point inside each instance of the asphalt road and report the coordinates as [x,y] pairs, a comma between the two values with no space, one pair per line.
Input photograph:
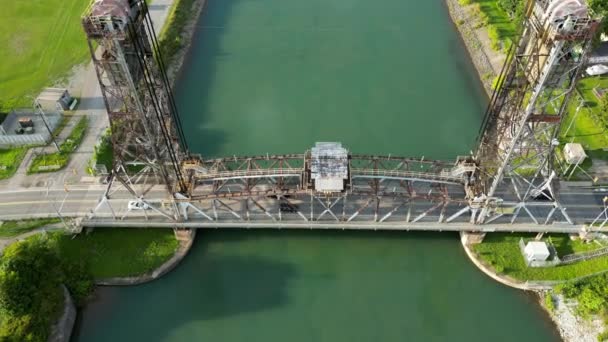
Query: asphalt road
[582,205]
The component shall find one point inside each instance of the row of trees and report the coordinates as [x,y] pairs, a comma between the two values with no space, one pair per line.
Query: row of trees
[31,297]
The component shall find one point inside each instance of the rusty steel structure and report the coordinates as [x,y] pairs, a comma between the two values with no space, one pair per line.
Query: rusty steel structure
[519,136]
[328,183]
[147,140]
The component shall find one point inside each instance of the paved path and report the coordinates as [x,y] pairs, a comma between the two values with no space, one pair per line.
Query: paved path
[4,242]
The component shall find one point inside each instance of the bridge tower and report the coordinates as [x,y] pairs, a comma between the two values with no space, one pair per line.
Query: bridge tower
[146,136]
[521,128]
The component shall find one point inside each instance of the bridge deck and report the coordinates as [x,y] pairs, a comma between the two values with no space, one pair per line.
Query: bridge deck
[387,226]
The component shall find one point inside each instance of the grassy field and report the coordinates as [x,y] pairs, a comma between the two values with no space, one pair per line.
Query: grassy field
[589,127]
[503,253]
[11,159]
[13,228]
[41,42]
[120,252]
[62,157]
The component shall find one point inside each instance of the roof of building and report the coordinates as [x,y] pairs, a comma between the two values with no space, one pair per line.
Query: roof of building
[51,94]
[537,247]
[110,8]
[329,160]
[575,150]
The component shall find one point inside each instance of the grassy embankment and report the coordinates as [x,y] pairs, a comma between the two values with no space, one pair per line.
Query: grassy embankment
[502,252]
[170,36]
[120,252]
[42,41]
[59,160]
[10,229]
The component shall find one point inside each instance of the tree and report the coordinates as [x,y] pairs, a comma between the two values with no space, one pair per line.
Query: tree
[25,268]
[30,292]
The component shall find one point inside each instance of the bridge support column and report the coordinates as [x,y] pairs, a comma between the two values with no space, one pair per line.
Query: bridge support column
[183,234]
[472,238]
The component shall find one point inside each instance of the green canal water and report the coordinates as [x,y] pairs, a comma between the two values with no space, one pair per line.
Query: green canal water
[274,76]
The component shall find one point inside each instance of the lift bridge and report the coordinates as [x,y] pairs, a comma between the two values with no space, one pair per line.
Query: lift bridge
[508,182]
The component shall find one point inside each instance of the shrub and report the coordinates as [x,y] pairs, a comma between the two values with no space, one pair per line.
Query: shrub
[31,297]
[549,304]
[30,294]
[494,36]
[464,2]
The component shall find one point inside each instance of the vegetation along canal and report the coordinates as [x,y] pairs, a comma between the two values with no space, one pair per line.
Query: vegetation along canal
[275,76]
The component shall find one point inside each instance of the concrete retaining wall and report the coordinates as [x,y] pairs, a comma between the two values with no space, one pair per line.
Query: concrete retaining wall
[62,329]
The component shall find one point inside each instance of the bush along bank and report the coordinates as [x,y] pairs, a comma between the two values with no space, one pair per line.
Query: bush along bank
[33,270]
[31,295]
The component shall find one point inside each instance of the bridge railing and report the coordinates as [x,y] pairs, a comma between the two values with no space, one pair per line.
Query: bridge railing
[442,177]
[257,173]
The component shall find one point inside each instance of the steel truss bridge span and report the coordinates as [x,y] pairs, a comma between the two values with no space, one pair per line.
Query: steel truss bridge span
[510,177]
[386,192]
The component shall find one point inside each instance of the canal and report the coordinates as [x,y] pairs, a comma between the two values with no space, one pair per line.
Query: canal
[274,76]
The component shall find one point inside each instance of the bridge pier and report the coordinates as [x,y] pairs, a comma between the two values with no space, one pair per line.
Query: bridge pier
[472,238]
[183,234]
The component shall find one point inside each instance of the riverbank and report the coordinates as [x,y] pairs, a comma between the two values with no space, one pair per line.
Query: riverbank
[176,36]
[571,327]
[487,61]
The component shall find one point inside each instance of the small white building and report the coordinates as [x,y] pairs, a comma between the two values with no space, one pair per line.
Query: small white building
[536,251]
[54,99]
[574,153]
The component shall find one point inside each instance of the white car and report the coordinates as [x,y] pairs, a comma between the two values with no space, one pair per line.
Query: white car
[137,205]
[597,70]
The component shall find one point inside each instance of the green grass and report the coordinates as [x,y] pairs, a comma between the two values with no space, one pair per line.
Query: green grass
[13,228]
[589,128]
[41,41]
[103,154]
[120,252]
[64,121]
[502,252]
[11,158]
[62,157]
[498,18]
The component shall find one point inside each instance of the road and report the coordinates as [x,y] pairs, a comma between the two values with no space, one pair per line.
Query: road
[583,206]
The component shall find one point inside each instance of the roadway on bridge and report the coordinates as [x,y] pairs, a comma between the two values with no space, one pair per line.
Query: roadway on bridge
[582,204]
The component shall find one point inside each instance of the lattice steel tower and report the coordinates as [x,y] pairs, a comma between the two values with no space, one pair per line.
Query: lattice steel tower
[147,139]
[519,134]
